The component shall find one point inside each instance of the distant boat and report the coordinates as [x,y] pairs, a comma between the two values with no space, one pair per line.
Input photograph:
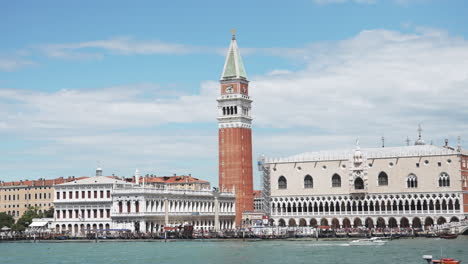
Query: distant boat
[448,236]
[374,241]
[429,260]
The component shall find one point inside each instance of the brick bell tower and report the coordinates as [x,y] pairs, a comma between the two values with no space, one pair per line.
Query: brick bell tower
[235,134]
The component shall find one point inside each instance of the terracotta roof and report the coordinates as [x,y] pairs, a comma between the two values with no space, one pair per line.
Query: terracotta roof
[257,194]
[41,182]
[172,179]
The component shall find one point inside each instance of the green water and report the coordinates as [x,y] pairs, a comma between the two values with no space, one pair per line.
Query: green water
[238,252]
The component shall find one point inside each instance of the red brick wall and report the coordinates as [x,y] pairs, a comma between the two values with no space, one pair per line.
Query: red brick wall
[235,167]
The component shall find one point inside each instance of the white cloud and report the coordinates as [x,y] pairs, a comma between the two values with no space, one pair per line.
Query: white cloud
[13,64]
[377,83]
[379,80]
[125,45]
[117,107]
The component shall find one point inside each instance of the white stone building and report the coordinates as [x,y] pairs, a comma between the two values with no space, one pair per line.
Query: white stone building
[409,186]
[147,209]
[85,204]
[107,203]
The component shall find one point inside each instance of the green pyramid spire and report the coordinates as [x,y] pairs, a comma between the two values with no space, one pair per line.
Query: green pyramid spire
[233,67]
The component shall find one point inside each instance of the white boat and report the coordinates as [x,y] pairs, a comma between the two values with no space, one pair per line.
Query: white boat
[374,241]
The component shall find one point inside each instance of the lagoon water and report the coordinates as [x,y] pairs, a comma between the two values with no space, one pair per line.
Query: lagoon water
[232,252]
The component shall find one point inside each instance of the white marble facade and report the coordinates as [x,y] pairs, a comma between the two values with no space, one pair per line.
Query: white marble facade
[145,209]
[84,205]
[105,203]
[410,186]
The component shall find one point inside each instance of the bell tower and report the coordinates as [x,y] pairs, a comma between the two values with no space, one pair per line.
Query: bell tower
[235,134]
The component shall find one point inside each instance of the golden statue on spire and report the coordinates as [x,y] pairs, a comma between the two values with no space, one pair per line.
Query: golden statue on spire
[233,32]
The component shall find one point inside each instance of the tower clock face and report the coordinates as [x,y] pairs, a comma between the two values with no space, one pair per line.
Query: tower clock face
[229,89]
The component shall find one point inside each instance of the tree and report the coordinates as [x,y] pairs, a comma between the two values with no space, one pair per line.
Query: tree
[47,213]
[6,220]
[26,219]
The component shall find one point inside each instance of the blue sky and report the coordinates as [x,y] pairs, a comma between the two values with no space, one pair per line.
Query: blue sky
[133,84]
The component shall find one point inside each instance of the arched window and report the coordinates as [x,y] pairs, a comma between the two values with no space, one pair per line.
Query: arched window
[282,183]
[308,182]
[444,180]
[336,180]
[383,179]
[412,181]
[358,184]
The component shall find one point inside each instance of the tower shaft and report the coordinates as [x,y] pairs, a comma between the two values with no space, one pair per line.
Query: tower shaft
[235,134]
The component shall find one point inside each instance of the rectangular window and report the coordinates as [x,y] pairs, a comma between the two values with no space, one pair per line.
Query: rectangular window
[89,194]
[83,214]
[417,165]
[35,196]
[58,214]
[95,194]
[64,195]
[58,196]
[70,193]
[64,214]
[25,196]
[77,214]
[29,195]
[77,195]
[89,213]
[40,196]
[102,194]
[95,213]
[83,194]
[439,164]
[101,213]
[49,195]
[70,214]
[108,193]
[108,213]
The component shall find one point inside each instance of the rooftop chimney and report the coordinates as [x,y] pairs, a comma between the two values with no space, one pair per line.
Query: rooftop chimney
[98,172]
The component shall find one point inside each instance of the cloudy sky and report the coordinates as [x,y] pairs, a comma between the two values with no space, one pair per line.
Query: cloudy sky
[134,84]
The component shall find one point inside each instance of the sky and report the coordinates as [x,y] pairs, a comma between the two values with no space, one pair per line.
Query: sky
[133,84]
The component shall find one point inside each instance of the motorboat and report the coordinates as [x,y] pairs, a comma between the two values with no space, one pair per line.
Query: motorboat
[373,241]
[448,236]
[429,260]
